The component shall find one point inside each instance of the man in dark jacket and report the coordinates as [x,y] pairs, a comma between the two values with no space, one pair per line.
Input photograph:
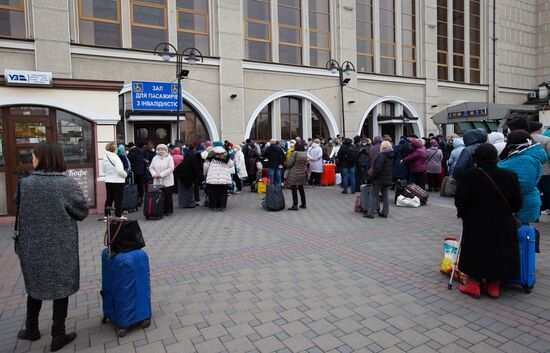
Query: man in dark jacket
[275,160]
[472,139]
[382,178]
[137,161]
[348,156]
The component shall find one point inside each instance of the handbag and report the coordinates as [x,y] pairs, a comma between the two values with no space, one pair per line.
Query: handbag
[126,236]
[448,186]
[517,222]
[357,208]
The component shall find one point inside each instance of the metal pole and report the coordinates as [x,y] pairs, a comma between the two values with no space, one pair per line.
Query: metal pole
[340,71]
[178,112]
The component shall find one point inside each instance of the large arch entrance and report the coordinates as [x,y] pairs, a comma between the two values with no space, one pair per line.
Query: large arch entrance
[288,114]
[390,115]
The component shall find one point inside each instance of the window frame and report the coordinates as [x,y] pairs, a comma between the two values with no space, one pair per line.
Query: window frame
[194,12]
[386,42]
[410,46]
[152,5]
[327,33]
[284,25]
[99,19]
[366,39]
[474,43]
[463,40]
[20,8]
[439,36]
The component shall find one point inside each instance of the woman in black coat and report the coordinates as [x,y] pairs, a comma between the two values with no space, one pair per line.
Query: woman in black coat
[489,248]
[188,174]
[381,175]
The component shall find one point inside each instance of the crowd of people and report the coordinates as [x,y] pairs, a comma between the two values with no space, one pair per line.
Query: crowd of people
[499,178]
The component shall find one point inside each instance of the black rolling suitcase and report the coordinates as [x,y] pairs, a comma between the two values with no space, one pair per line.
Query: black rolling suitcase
[153,204]
[130,196]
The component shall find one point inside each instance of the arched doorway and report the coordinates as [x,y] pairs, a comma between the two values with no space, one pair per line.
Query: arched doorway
[391,116]
[288,114]
[22,127]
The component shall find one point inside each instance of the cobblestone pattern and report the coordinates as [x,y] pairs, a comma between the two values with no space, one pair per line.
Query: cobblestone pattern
[323,279]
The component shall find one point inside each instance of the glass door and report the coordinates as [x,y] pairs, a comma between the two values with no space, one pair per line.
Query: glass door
[25,129]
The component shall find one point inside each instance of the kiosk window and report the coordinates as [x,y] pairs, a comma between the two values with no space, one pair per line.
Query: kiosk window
[480,125]
[492,126]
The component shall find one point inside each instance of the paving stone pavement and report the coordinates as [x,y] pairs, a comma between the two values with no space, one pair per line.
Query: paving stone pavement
[323,279]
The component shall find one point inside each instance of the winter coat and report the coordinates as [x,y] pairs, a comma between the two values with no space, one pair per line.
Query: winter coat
[163,166]
[50,203]
[374,149]
[527,164]
[240,165]
[177,157]
[190,170]
[315,156]
[251,156]
[347,146]
[113,168]
[489,238]
[434,157]
[545,144]
[400,170]
[137,160]
[497,139]
[416,160]
[458,146]
[296,168]
[275,156]
[472,139]
[382,168]
[364,158]
[218,170]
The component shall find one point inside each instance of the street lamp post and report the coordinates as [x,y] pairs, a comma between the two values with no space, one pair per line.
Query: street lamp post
[191,55]
[346,68]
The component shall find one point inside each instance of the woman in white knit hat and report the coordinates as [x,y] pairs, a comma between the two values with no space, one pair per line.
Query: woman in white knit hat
[162,168]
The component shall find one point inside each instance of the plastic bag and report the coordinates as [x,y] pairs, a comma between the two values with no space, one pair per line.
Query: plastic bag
[407,202]
[450,252]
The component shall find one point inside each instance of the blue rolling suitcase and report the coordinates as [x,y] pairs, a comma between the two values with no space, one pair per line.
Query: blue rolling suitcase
[526,240]
[126,289]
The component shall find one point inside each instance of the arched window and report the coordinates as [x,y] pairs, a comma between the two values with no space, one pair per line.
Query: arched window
[291,118]
[366,129]
[319,128]
[192,128]
[261,131]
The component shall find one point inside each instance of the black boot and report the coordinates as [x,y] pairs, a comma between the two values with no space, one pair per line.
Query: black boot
[293,208]
[31,332]
[60,339]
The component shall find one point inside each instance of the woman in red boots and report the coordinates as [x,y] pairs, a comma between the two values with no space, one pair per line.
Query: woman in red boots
[486,198]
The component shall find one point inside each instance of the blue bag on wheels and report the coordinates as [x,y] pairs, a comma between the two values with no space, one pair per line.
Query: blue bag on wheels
[126,289]
[526,240]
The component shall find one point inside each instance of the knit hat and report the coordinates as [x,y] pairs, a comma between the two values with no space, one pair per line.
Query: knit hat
[534,126]
[162,145]
[218,144]
[518,123]
[485,153]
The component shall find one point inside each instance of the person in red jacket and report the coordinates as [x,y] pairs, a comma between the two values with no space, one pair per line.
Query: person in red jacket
[416,162]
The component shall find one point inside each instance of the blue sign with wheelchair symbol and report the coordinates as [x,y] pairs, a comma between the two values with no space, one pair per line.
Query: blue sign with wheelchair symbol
[155,96]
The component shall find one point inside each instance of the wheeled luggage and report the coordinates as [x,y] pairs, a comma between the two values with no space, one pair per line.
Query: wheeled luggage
[274,198]
[126,289]
[328,177]
[130,196]
[365,194]
[413,190]
[153,205]
[526,240]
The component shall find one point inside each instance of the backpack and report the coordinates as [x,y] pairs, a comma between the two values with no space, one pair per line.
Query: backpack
[351,155]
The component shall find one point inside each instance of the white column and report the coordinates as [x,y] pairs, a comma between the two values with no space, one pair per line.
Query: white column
[398,39]
[126,24]
[274,31]
[375,129]
[306,119]
[172,23]
[376,33]
[276,119]
[305,32]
